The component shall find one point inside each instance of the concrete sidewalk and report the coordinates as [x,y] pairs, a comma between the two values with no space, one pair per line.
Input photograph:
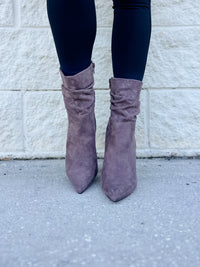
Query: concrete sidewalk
[44,222]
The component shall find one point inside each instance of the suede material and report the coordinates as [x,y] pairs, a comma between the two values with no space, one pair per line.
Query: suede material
[118,177]
[79,98]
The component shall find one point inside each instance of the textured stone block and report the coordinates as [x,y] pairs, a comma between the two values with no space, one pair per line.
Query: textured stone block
[34,13]
[102,58]
[175,12]
[11,133]
[104,12]
[29,60]
[141,123]
[173,59]
[102,112]
[175,119]
[6,13]
[45,121]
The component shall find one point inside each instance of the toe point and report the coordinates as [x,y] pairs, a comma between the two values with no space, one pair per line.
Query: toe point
[117,194]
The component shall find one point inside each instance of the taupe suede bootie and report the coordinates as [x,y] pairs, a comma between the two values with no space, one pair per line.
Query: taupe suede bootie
[118,177]
[79,98]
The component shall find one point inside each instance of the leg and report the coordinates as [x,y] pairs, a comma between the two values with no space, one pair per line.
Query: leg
[130,42]
[73,25]
[130,37]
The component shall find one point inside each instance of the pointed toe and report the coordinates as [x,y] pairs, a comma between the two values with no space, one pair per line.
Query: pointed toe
[81,178]
[81,188]
[118,193]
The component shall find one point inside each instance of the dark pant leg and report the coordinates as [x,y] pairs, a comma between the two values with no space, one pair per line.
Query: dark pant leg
[73,25]
[130,37]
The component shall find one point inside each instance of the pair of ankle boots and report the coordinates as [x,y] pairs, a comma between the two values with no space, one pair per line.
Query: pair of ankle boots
[118,177]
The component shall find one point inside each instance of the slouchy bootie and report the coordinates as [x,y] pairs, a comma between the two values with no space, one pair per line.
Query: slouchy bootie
[118,177]
[79,98]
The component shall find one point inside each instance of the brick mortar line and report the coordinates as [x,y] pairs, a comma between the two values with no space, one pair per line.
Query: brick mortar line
[8,26]
[22,119]
[23,123]
[102,89]
[148,118]
[17,14]
[145,118]
[148,153]
[99,27]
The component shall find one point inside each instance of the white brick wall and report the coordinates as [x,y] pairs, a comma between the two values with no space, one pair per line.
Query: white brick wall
[33,120]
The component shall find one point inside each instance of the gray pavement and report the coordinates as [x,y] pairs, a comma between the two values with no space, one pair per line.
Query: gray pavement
[44,222]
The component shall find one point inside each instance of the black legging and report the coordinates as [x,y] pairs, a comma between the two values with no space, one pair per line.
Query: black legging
[73,24]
